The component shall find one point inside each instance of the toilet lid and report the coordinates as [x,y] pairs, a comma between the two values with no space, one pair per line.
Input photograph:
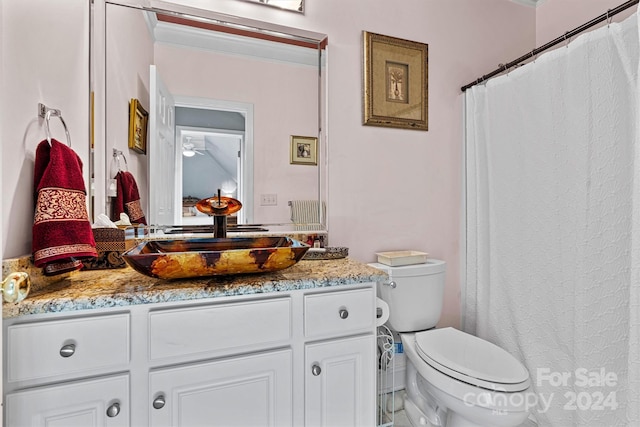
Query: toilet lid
[471,359]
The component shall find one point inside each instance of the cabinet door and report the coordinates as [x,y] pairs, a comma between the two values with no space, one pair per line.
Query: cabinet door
[98,402]
[252,390]
[340,385]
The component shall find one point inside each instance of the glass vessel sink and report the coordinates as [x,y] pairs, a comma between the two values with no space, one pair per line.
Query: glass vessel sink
[189,258]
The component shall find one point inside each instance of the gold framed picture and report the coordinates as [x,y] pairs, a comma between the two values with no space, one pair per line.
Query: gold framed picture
[304,150]
[395,82]
[138,119]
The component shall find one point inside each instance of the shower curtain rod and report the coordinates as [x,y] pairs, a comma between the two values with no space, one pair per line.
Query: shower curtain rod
[565,37]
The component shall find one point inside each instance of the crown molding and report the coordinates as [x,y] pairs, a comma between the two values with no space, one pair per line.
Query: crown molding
[530,3]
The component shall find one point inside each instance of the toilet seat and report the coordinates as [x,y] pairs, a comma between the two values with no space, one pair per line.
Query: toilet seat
[471,360]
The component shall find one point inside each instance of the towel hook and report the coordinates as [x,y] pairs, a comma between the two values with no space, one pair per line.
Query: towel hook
[116,155]
[46,113]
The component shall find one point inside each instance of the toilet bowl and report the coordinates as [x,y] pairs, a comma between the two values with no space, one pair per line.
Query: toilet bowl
[477,382]
[452,379]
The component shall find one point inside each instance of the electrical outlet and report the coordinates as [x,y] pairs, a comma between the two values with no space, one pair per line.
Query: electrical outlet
[268,200]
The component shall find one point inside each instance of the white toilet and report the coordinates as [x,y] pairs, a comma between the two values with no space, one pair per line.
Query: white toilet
[452,379]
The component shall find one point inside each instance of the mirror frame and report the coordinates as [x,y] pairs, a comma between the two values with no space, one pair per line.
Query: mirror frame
[274,3]
[99,162]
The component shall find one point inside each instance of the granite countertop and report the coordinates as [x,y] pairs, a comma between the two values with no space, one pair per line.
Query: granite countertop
[123,287]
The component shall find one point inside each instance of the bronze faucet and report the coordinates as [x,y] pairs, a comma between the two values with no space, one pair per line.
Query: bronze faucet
[219,207]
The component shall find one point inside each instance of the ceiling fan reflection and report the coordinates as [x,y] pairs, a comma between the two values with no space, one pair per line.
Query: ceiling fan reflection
[188,148]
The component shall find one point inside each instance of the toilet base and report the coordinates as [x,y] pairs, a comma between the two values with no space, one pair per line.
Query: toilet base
[433,406]
[423,409]
[415,415]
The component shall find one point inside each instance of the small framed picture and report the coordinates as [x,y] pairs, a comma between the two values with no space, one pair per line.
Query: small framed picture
[304,150]
[138,119]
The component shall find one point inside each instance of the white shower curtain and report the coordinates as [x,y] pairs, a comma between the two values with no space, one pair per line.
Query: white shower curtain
[553,225]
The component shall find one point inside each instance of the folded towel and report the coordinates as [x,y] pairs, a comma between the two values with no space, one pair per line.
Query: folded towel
[305,211]
[61,227]
[127,199]
[305,214]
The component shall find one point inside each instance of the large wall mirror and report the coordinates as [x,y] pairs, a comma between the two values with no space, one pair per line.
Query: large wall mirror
[224,97]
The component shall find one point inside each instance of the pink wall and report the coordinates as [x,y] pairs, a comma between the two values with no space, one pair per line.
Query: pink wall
[44,59]
[396,189]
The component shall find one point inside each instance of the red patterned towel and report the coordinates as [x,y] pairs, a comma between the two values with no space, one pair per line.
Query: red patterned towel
[61,228]
[127,199]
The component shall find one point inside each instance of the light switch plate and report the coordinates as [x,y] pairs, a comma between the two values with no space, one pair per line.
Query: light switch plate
[268,200]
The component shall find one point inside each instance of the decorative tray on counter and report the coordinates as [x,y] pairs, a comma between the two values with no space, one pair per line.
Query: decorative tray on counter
[327,253]
[190,258]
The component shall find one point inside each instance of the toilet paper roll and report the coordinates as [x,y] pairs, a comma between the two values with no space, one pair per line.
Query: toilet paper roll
[382,312]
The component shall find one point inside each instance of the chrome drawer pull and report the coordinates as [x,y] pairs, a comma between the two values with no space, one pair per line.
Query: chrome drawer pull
[158,402]
[316,370]
[391,284]
[68,350]
[113,410]
[343,313]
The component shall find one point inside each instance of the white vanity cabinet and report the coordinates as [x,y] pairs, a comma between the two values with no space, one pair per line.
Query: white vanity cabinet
[287,358]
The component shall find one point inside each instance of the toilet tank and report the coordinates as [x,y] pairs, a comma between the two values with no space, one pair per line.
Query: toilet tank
[415,303]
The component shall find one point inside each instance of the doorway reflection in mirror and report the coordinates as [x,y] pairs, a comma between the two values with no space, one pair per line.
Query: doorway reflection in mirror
[215,165]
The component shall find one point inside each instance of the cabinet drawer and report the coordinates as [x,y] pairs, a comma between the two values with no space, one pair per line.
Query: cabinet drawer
[68,348]
[218,329]
[339,313]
